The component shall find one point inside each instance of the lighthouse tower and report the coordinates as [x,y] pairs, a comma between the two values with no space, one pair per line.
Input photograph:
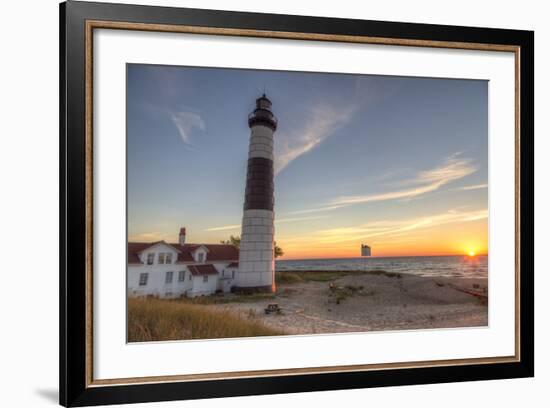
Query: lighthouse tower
[256,254]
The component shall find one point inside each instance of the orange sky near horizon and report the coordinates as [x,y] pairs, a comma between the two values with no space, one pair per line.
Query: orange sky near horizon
[450,233]
[451,239]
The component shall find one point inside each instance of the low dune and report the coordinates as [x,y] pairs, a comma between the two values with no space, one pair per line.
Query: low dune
[359,301]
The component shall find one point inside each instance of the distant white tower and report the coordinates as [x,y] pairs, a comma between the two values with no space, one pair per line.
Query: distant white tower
[365,250]
[256,255]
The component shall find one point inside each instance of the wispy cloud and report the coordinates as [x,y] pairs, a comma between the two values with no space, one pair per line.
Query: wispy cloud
[425,182]
[389,228]
[321,122]
[277,221]
[474,187]
[186,122]
[453,168]
[225,228]
[316,210]
[297,219]
[324,119]
[149,237]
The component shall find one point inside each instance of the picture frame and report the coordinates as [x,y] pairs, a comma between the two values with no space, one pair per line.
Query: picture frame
[79,21]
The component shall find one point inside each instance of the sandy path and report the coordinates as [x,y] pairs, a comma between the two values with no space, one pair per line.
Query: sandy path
[377,302]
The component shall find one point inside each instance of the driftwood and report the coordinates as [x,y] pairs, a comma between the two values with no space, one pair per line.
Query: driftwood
[481,296]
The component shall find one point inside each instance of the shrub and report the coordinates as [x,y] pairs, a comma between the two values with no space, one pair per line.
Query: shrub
[288,277]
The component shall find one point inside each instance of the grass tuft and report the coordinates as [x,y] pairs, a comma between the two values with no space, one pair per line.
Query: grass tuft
[288,277]
[341,293]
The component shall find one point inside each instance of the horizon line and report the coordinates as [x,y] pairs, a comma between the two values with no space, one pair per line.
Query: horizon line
[381,256]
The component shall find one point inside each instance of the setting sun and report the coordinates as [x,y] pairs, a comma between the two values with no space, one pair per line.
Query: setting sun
[471,253]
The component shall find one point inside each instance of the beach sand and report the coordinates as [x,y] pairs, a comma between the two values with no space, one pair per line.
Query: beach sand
[369,302]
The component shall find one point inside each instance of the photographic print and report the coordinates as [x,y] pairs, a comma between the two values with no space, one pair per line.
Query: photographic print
[267,203]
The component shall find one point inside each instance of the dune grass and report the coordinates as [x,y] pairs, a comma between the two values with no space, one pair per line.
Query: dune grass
[160,320]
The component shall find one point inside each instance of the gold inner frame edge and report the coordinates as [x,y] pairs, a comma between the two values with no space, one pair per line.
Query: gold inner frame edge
[101,24]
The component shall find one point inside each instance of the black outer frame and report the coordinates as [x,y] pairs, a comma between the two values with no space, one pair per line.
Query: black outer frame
[73,391]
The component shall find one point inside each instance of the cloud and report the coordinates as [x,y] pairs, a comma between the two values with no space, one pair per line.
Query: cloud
[185,123]
[296,219]
[324,119]
[385,228]
[474,187]
[453,168]
[319,209]
[425,182]
[149,237]
[225,228]
[321,122]
[390,228]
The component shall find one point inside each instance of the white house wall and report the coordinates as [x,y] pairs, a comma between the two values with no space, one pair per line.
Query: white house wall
[156,281]
[201,288]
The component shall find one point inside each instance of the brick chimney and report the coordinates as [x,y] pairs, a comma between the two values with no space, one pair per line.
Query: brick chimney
[182,236]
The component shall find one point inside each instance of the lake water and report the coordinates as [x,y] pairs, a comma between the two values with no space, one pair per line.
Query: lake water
[444,266]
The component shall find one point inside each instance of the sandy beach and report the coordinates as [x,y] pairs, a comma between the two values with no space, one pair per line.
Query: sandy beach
[370,301]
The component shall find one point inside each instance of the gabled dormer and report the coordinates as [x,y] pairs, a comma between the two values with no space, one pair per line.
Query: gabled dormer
[200,254]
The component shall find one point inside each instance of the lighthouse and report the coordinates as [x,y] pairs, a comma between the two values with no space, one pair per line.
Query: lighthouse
[256,254]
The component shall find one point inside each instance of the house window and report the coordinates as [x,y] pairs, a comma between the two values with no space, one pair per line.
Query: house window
[201,257]
[162,257]
[150,258]
[169,258]
[169,277]
[205,278]
[190,276]
[181,276]
[143,279]
[233,274]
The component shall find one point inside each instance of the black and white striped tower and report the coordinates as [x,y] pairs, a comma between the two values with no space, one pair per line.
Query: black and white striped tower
[256,255]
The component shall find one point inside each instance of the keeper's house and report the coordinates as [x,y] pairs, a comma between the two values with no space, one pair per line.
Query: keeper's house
[172,270]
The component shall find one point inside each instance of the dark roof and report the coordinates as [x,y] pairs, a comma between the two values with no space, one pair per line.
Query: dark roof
[216,252]
[136,247]
[233,265]
[201,270]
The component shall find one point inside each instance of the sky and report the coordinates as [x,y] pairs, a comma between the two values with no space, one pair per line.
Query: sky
[397,163]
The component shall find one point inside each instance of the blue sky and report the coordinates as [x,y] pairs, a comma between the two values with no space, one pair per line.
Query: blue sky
[358,158]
